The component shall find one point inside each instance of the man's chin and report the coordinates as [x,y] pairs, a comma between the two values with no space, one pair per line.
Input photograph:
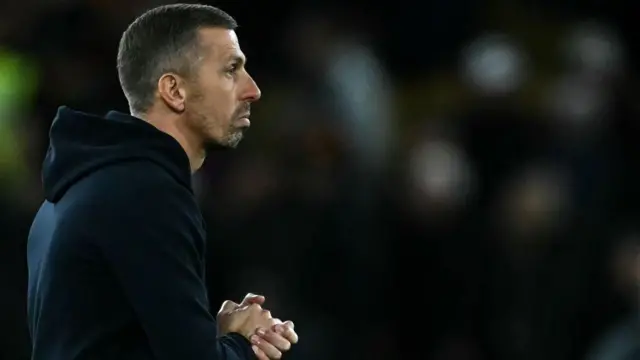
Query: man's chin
[229,143]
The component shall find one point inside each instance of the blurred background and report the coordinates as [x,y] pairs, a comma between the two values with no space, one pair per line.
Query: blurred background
[446,180]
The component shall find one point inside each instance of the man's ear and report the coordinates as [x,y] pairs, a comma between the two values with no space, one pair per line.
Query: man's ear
[171,89]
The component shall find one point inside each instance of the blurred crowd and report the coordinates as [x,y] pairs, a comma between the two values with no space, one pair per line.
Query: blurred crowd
[446,180]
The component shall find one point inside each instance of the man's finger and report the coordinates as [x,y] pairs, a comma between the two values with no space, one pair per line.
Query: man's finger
[278,326]
[271,351]
[253,299]
[275,339]
[228,306]
[259,353]
[289,333]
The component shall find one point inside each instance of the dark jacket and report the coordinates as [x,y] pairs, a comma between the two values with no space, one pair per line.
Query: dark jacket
[116,252]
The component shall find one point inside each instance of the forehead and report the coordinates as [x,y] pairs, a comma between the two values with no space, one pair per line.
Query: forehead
[219,43]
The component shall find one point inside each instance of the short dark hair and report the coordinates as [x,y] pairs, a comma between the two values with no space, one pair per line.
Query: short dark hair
[163,39]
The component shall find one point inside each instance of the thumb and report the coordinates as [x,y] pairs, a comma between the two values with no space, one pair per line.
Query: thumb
[253,299]
[228,306]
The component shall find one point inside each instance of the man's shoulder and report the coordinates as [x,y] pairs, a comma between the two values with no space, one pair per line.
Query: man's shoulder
[134,175]
[130,184]
[129,196]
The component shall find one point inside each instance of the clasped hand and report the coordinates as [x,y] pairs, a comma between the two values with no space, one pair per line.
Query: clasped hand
[269,336]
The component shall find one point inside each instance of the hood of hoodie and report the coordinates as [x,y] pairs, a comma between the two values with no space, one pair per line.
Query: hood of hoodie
[81,143]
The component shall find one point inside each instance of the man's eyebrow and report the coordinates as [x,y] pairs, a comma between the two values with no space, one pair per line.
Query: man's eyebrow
[238,59]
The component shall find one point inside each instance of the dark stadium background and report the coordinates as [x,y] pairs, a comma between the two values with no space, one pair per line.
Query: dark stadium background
[446,179]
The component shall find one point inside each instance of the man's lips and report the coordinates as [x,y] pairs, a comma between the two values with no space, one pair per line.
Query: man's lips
[243,120]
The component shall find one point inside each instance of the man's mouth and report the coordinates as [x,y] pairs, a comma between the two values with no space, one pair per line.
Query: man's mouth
[243,120]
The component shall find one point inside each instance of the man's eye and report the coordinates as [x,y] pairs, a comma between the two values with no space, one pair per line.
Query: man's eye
[232,69]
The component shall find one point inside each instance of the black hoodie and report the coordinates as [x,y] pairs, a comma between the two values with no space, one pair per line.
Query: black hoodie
[116,251]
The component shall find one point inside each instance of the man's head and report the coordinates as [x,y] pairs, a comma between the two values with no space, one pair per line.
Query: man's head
[185,60]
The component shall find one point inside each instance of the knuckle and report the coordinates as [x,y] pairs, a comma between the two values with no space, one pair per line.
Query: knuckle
[255,307]
[266,313]
[290,324]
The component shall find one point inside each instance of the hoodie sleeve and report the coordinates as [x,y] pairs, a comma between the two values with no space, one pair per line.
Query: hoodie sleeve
[148,229]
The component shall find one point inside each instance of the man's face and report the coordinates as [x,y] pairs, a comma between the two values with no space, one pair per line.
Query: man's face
[222,90]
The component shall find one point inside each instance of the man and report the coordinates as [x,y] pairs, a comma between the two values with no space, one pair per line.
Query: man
[116,252]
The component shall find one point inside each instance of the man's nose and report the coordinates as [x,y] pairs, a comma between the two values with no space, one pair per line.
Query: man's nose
[252,92]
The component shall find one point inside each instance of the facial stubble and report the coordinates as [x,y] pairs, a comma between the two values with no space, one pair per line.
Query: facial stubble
[233,135]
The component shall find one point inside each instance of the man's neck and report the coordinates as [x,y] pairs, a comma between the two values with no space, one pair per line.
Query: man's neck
[187,140]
